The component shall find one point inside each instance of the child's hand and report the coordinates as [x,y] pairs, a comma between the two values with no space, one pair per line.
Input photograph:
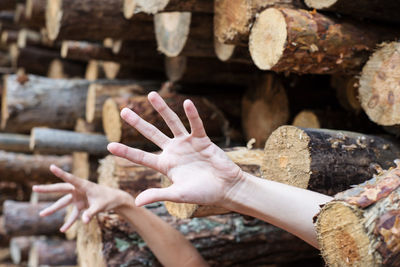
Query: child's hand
[85,196]
[200,171]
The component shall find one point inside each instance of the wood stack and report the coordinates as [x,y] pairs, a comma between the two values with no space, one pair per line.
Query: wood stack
[69,67]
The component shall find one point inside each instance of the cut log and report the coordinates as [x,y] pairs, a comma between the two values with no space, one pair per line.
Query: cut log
[22,219]
[14,142]
[360,227]
[28,37]
[122,174]
[347,92]
[233,19]
[19,248]
[64,20]
[33,101]
[296,40]
[94,70]
[223,240]
[155,6]
[52,252]
[35,11]
[65,142]
[323,160]
[265,107]
[119,131]
[232,53]
[379,10]
[173,29]
[4,238]
[190,70]
[249,160]
[379,86]
[98,94]
[141,69]
[62,69]
[24,168]
[9,37]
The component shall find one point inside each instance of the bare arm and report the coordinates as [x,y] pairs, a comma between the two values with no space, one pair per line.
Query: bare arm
[201,173]
[169,246]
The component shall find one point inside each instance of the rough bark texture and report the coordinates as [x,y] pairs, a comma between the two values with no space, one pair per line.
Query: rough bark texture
[14,142]
[265,107]
[65,142]
[296,40]
[122,174]
[360,227]
[323,160]
[22,219]
[233,19]
[119,131]
[64,20]
[31,101]
[249,160]
[224,240]
[156,6]
[52,252]
[98,94]
[379,85]
[24,168]
[376,9]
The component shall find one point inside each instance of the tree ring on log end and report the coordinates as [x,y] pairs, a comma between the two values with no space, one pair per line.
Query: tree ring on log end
[340,226]
[129,8]
[223,51]
[379,81]
[306,119]
[112,121]
[151,7]
[287,158]
[320,4]
[53,18]
[172,30]
[267,38]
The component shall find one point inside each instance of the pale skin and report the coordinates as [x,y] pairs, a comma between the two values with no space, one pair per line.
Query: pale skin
[201,173]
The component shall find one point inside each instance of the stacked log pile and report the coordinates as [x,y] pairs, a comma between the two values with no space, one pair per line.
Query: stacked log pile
[250,66]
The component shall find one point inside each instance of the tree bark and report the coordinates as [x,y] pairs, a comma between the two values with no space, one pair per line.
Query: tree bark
[22,219]
[155,6]
[378,10]
[64,20]
[24,168]
[33,101]
[4,238]
[233,19]
[14,143]
[284,39]
[360,227]
[122,174]
[65,142]
[223,240]
[9,36]
[119,131]
[29,38]
[35,13]
[8,4]
[379,85]
[143,69]
[265,107]
[249,160]
[98,94]
[323,160]
[47,252]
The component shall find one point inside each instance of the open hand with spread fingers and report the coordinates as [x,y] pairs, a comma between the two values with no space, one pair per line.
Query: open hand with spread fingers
[200,171]
[86,197]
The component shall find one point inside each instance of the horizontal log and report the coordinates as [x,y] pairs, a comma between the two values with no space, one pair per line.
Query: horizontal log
[64,20]
[360,226]
[65,142]
[35,13]
[223,240]
[347,92]
[142,69]
[325,161]
[376,9]
[296,40]
[8,4]
[28,37]
[379,87]
[232,53]
[22,219]
[19,248]
[14,142]
[46,252]
[22,168]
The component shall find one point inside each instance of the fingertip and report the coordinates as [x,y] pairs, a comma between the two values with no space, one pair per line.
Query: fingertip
[124,112]
[152,95]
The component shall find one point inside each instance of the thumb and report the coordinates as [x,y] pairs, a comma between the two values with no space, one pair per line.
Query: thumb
[157,194]
[89,213]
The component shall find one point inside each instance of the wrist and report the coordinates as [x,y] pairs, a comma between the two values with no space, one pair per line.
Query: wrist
[126,202]
[232,197]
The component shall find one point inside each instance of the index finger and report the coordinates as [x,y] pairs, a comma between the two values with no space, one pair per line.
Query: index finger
[67,177]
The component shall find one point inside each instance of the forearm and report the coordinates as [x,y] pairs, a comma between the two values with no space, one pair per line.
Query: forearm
[169,246]
[284,206]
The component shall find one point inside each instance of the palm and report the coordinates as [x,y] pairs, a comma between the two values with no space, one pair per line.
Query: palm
[199,170]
